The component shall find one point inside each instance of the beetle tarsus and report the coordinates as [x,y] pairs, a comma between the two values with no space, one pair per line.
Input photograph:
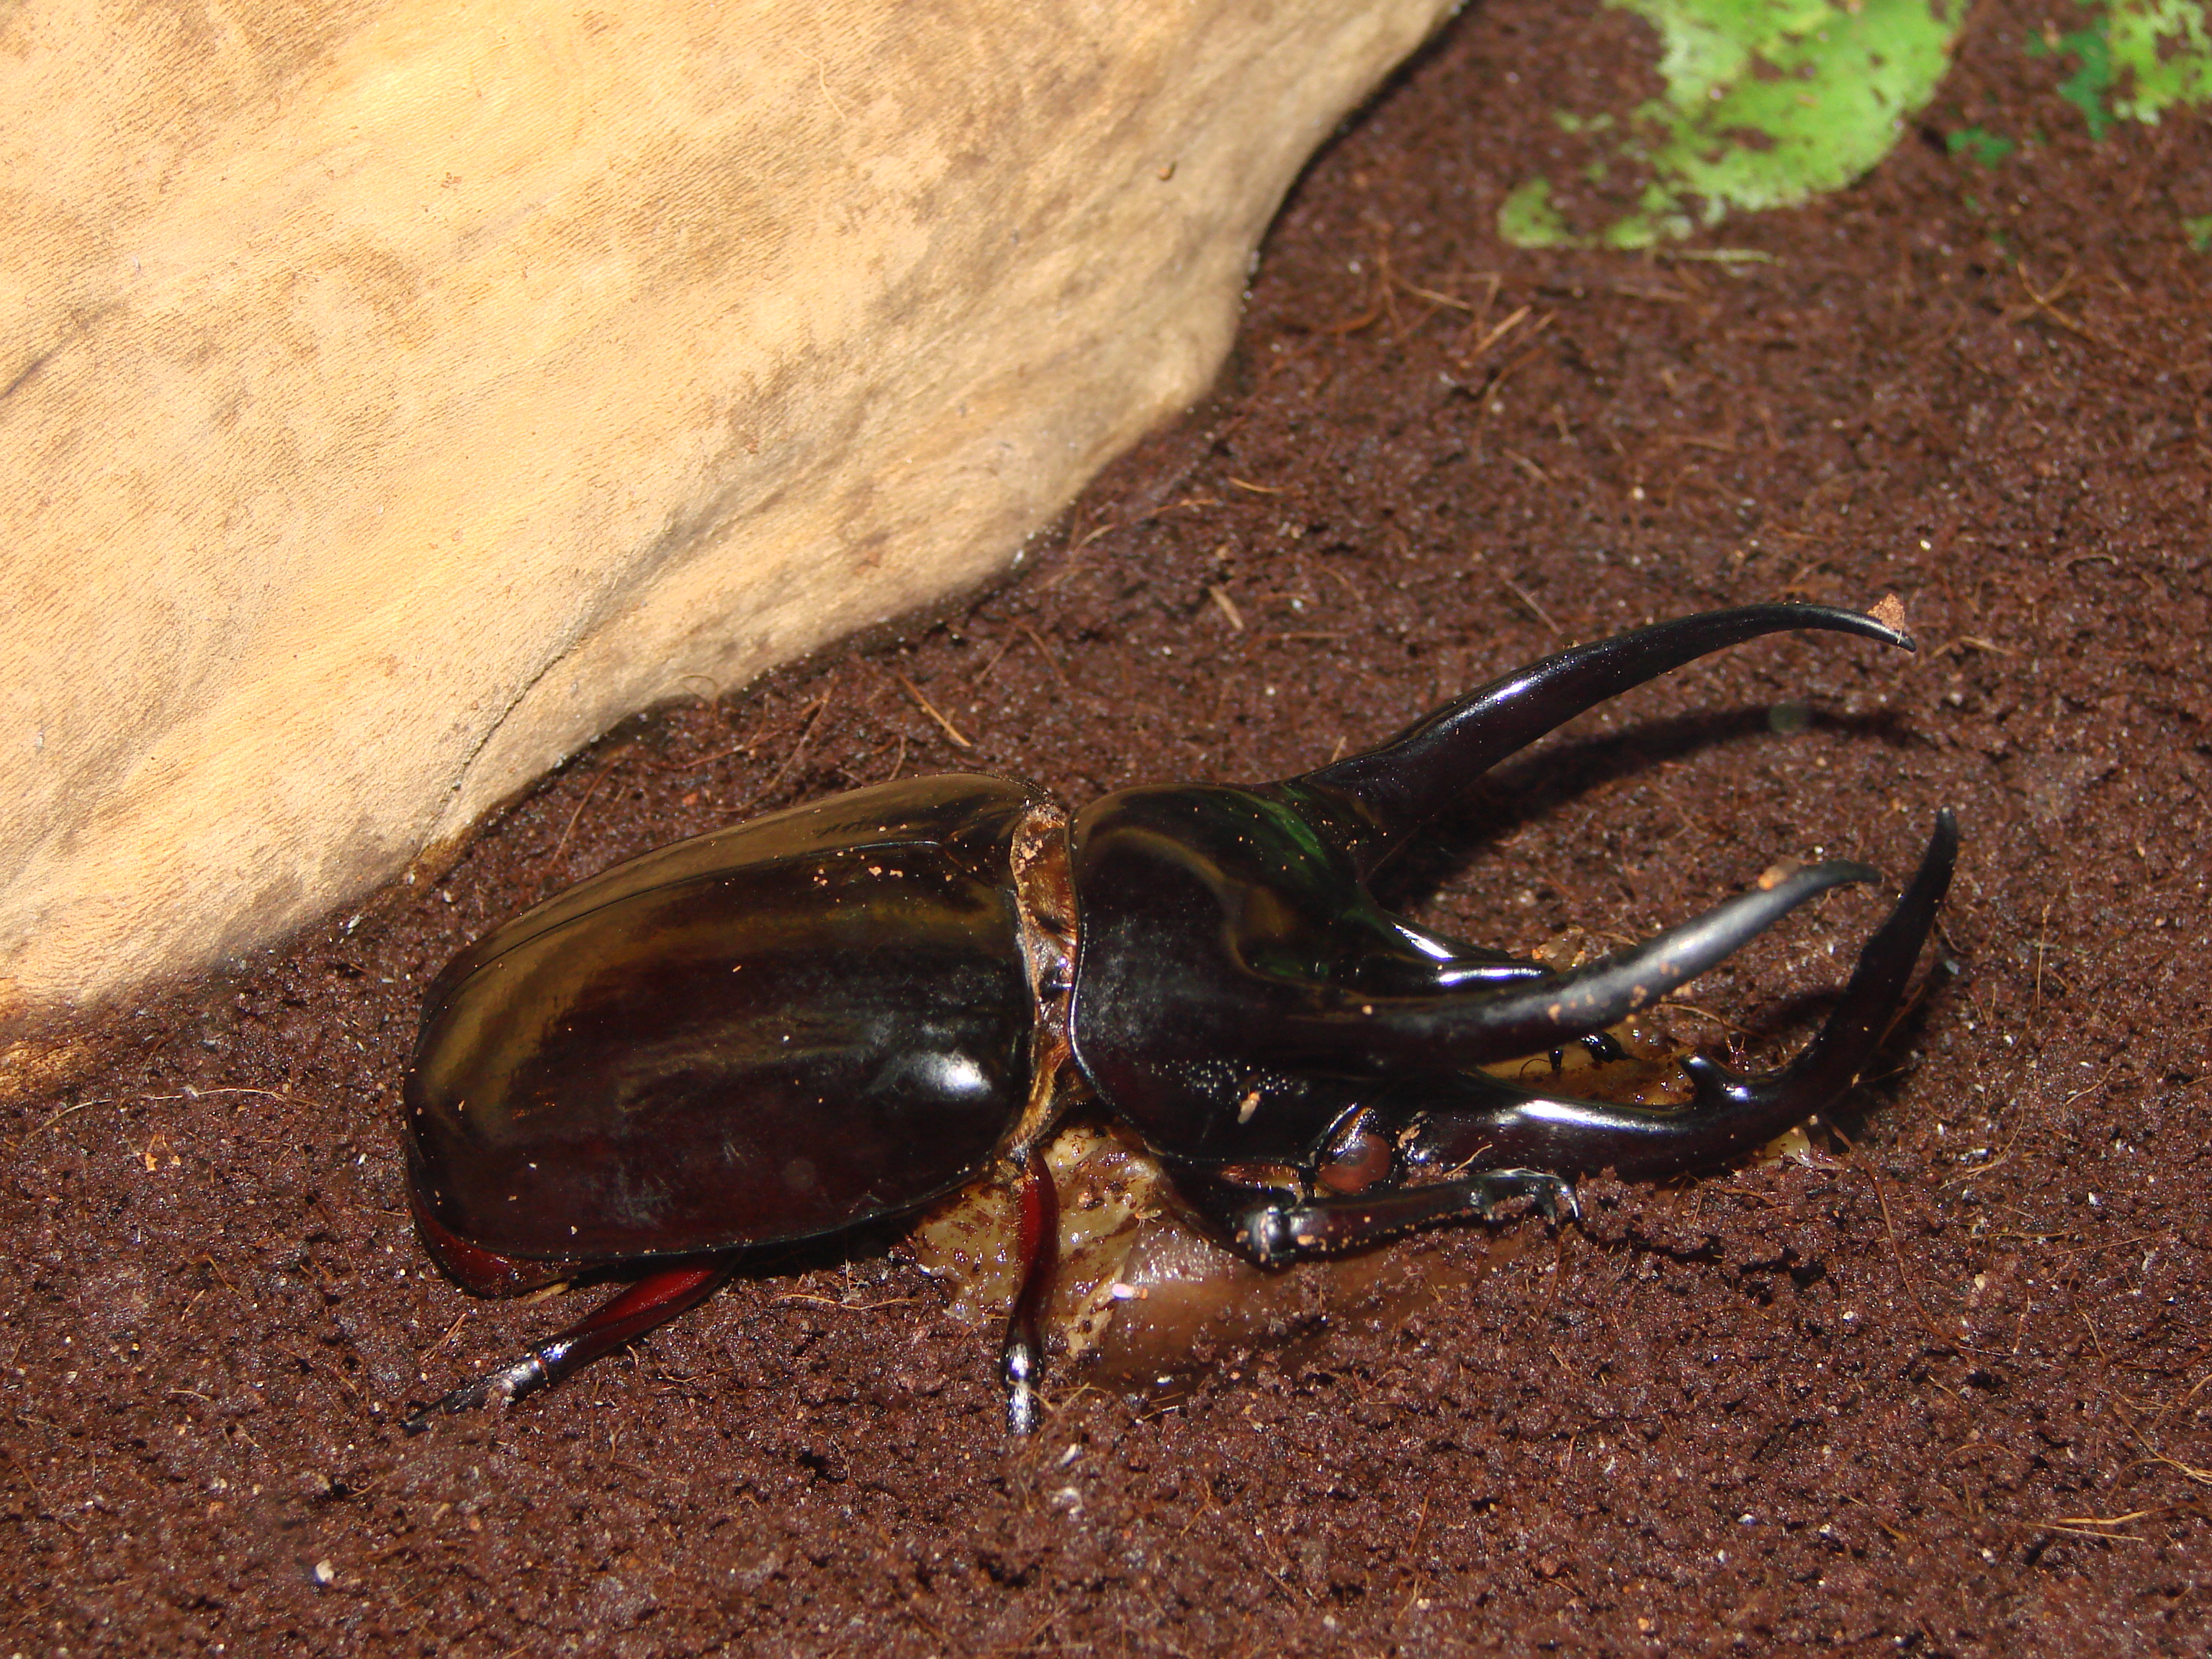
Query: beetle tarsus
[1855,1028]
[503,1386]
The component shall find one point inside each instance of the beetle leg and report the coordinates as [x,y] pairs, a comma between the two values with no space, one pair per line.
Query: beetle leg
[653,1300]
[478,1270]
[1492,1121]
[1038,1252]
[1275,1227]
[1401,784]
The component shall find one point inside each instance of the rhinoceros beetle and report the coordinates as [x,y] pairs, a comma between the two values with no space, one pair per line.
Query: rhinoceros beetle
[839,1013]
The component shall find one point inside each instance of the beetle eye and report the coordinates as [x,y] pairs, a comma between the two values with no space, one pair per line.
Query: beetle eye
[1356,1162]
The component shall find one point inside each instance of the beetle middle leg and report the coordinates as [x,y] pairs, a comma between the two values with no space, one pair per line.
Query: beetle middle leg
[1036,1254]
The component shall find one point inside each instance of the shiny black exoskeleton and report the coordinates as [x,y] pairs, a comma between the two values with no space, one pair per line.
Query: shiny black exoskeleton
[839,1013]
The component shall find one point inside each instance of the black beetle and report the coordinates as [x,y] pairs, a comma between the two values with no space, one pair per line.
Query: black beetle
[841,1012]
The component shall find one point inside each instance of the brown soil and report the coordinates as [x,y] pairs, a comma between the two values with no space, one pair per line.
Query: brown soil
[1940,1390]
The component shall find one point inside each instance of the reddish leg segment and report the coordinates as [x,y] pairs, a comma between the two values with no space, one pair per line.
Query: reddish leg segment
[1037,1251]
[653,1300]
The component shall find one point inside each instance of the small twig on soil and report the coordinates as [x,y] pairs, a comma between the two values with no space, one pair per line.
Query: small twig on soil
[1461,352]
[849,1307]
[1389,281]
[1435,297]
[2083,1094]
[1073,561]
[1528,599]
[1051,658]
[66,1111]
[2203,1477]
[2168,1411]
[2109,1244]
[1720,1020]
[814,718]
[672,768]
[311,1368]
[932,710]
[1981,1170]
[140,1100]
[2045,304]
[2086,1526]
[996,656]
[568,829]
[1899,1537]
[459,1319]
[2042,944]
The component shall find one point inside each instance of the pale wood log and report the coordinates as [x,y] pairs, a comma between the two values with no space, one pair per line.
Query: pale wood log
[396,395]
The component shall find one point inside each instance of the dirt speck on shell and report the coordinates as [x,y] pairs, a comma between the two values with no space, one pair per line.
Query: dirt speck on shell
[1937,1389]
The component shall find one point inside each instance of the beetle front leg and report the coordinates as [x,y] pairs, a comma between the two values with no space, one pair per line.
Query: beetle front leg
[653,1300]
[1275,1227]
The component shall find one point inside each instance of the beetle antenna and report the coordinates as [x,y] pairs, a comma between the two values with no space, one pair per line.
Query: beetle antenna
[1402,783]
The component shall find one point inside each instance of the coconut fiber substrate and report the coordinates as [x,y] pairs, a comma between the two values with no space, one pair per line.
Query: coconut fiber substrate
[1933,1382]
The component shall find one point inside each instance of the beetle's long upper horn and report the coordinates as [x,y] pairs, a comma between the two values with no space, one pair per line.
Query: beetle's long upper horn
[1402,783]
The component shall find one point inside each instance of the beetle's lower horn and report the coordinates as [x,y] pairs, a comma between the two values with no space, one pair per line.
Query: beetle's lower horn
[1406,781]
[1478,1116]
[1455,1029]
[1855,1029]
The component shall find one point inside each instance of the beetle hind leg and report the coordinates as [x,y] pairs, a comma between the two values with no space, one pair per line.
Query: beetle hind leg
[653,1300]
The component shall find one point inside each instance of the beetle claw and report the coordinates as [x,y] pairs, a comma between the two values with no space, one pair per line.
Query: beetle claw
[652,1301]
[1557,1202]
